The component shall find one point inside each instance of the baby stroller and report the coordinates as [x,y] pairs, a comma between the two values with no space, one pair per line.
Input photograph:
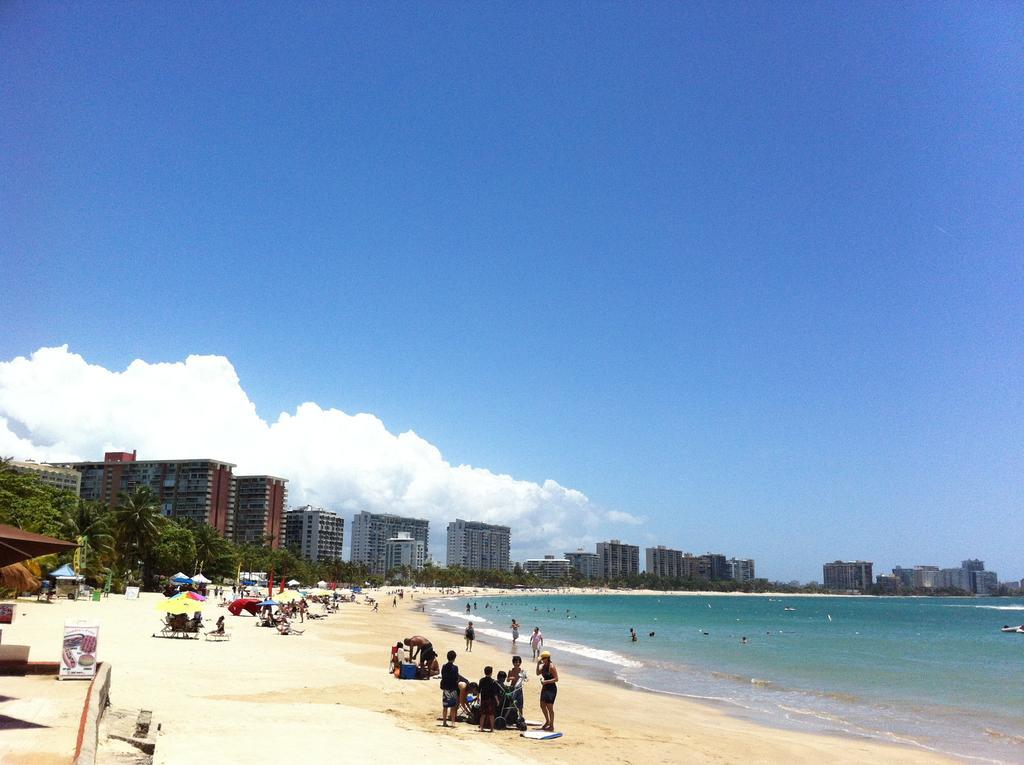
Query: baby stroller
[506,715]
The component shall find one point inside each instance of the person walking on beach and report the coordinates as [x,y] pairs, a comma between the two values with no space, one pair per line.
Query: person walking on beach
[548,689]
[515,631]
[536,642]
[470,637]
[449,691]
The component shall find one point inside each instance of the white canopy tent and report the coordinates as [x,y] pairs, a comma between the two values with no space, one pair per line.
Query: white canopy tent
[200,579]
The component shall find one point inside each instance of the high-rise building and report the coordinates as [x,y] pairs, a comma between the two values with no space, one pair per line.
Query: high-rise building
[314,533]
[888,583]
[663,562]
[905,575]
[199,489]
[985,582]
[616,560]
[692,567]
[741,569]
[848,575]
[549,567]
[715,566]
[61,478]
[585,563]
[402,551]
[478,546]
[259,509]
[371,531]
[925,577]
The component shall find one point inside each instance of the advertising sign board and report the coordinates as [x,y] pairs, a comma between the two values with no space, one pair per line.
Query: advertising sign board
[78,654]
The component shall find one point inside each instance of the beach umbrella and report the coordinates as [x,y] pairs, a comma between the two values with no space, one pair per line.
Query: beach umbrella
[288,596]
[180,606]
[17,545]
[200,579]
[249,605]
[269,602]
[189,596]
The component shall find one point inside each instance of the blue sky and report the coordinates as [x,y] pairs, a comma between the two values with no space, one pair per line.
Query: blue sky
[749,271]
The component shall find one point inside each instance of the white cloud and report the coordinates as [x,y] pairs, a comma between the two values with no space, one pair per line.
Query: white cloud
[56,406]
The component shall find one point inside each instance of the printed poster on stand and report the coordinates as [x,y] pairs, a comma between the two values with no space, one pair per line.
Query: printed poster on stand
[131,593]
[78,655]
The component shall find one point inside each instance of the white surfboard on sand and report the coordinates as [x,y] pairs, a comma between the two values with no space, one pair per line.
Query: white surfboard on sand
[540,735]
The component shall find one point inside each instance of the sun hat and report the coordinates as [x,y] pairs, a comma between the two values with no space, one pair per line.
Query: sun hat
[545,654]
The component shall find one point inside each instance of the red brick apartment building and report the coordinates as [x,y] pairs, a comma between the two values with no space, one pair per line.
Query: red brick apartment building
[205,490]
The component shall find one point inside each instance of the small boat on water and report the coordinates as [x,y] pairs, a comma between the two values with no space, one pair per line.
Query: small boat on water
[789,608]
[1007,628]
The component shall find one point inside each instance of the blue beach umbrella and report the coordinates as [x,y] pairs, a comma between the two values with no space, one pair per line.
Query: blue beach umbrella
[268,602]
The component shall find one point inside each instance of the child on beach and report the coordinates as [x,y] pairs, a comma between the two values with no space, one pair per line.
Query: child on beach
[515,631]
[449,691]
[488,700]
[470,637]
[516,679]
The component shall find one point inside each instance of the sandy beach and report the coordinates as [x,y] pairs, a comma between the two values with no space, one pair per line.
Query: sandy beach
[325,696]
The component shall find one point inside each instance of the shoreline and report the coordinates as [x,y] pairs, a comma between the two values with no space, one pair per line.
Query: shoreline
[604,672]
[327,692]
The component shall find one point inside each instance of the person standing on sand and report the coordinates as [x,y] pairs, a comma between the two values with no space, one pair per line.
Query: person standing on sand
[516,678]
[449,691]
[536,642]
[470,637]
[515,631]
[488,700]
[548,689]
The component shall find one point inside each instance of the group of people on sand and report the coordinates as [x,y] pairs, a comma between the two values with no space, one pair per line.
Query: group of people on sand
[459,695]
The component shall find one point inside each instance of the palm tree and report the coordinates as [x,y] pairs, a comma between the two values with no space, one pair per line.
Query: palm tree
[89,523]
[137,523]
[211,547]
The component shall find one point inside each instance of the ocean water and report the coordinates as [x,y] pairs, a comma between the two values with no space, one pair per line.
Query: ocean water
[929,672]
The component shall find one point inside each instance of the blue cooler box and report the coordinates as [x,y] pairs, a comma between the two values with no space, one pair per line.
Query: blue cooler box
[408,672]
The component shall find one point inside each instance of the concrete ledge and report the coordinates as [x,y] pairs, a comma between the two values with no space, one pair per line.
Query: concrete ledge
[92,711]
[21,668]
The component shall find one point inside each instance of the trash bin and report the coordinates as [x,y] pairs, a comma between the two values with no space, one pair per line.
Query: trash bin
[96,595]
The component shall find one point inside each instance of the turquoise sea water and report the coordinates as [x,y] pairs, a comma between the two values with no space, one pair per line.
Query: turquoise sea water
[931,672]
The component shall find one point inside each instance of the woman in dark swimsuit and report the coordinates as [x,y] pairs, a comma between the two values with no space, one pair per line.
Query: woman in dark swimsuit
[548,689]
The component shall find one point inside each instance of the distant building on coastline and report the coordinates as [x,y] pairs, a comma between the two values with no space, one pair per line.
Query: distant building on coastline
[585,563]
[663,562]
[402,551]
[741,569]
[848,575]
[616,560]
[971,577]
[199,489]
[314,533]
[714,567]
[479,546]
[888,584]
[61,478]
[259,509]
[371,531]
[548,567]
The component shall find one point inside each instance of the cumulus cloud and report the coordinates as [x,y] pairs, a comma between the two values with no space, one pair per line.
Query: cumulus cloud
[55,406]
